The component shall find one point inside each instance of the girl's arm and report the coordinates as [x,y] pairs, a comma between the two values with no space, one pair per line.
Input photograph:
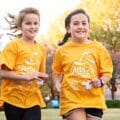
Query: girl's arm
[7,74]
[57,79]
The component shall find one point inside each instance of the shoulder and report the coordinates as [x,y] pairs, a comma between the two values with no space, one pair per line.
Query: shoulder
[100,47]
[41,46]
[15,40]
[13,43]
[98,44]
[65,46]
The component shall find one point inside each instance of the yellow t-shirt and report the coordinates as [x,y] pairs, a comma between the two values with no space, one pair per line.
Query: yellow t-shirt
[24,59]
[1,104]
[81,63]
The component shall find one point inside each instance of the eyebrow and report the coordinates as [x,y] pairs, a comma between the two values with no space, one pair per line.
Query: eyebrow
[80,21]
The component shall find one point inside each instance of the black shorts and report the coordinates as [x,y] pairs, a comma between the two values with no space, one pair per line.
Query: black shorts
[94,112]
[89,111]
[16,113]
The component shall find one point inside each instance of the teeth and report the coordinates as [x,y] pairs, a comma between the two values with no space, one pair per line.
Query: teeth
[80,32]
[32,31]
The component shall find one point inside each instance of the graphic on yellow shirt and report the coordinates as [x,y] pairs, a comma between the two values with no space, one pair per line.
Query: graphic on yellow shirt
[83,70]
[28,66]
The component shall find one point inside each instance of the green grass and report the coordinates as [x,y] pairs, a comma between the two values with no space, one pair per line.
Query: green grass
[112,114]
[53,114]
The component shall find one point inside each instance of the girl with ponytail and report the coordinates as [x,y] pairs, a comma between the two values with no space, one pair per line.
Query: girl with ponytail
[81,69]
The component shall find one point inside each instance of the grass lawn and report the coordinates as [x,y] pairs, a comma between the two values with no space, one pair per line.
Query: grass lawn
[53,114]
[112,114]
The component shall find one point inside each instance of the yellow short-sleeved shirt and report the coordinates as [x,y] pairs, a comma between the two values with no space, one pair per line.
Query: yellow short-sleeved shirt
[1,104]
[81,63]
[26,59]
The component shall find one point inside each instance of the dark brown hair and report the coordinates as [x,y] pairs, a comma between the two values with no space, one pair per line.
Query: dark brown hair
[67,23]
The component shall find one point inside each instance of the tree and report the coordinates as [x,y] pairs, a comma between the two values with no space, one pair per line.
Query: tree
[116,72]
[105,21]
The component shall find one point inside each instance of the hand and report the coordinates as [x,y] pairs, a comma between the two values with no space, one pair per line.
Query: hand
[42,76]
[95,83]
[38,76]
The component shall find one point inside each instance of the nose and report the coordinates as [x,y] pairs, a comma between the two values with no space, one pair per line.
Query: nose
[32,25]
[80,25]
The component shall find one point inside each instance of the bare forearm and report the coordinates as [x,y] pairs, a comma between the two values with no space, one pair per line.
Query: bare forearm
[57,78]
[12,75]
[5,74]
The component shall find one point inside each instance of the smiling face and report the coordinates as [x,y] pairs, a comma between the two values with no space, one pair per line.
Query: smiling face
[30,26]
[79,27]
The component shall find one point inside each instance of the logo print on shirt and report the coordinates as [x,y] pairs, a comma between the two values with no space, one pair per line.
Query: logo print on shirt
[84,66]
[29,64]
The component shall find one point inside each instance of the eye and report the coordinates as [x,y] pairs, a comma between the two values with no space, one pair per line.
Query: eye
[76,23]
[84,23]
[28,23]
[36,23]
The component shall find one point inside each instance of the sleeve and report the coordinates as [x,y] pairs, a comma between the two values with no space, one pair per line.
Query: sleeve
[106,65]
[1,60]
[57,66]
[43,62]
[8,55]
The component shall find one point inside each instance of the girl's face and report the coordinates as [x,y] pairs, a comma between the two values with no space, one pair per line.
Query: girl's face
[30,26]
[79,27]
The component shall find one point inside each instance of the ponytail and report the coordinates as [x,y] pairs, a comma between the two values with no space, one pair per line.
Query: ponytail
[65,39]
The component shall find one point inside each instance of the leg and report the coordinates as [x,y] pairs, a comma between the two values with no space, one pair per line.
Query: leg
[77,114]
[12,112]
[94,114]
[90,117]
[33,113]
